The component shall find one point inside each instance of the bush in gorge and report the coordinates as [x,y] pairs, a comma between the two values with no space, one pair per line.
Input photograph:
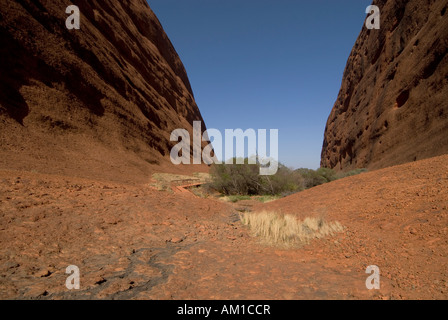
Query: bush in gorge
[245,180]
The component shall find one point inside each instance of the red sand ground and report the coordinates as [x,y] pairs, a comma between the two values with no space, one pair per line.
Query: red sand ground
[133,242]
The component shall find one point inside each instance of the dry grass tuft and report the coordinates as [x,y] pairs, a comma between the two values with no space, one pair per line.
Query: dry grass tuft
[287,230]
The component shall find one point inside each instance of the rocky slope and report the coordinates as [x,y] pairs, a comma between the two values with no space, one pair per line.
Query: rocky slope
[393,104]
[100,101]
[132,242]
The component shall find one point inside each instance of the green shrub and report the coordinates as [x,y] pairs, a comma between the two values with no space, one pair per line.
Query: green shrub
[245,179]
[327,173]
[311,178]
[355,172]
[235,179]
[238,198]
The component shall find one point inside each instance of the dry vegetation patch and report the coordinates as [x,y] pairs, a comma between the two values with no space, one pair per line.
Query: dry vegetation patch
[286,230]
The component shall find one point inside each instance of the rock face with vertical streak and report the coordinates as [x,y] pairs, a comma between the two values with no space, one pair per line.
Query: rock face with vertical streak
[392,107]
[99,101]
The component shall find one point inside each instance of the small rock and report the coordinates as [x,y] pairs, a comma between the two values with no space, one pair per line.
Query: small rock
[43,273]
[176,240]
[100,281]
[11,265]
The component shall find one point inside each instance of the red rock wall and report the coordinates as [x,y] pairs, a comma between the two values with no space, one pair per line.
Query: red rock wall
[393,104]
[106,95]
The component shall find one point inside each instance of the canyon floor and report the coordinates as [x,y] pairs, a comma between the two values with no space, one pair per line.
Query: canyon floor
[131,241]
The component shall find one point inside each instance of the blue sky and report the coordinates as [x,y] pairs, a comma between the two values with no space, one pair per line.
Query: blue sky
[266,64]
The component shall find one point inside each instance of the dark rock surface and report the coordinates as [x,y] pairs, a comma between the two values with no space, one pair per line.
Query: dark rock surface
[393,104]
[93,102]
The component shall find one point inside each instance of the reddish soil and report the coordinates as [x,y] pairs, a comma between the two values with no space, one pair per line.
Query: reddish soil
[133,242]
[85,120]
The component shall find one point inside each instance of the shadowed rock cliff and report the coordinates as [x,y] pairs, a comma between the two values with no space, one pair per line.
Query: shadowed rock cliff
[99,101]
[393,104]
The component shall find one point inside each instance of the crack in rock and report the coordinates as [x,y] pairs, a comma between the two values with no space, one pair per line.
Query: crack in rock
[156,262]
